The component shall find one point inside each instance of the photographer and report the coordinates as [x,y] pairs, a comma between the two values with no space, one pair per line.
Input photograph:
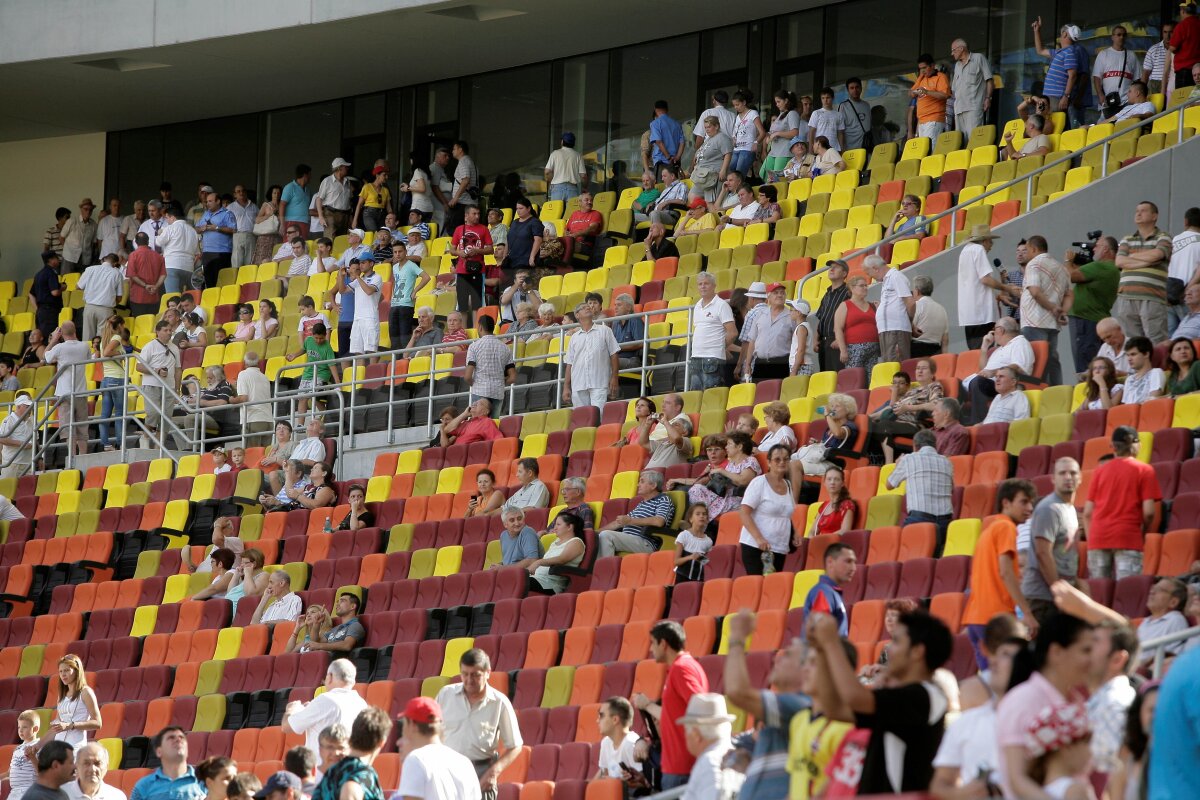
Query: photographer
[1037,104]
[1094,278]
[521,291]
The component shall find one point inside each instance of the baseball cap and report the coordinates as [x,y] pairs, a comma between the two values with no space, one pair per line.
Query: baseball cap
[802,306]
[24,400]
[359,232]
[568,139]
[774,286]
[379,170]
[423,710]
[758,289]
[697,202]
[339,162]
[1125,434]
[279,780]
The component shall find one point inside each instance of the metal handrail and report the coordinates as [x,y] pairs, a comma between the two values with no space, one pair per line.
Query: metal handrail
[1027,177]
[1161,643]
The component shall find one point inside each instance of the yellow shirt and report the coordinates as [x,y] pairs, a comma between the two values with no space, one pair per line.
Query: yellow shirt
[705,223]
[812,745]
[375,199]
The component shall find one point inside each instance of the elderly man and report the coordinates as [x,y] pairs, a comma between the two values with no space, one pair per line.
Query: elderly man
[532,492]
[79,237]
[658,244]
[590,376]
[213,403]
[102,286]
[1095,287]
[977,285]
[894,314]
[312,448]
[147,272]
[216,228]
[1143,258]
[837,293]
[1113,340]
[65,351]
[253,392]
[770,338]
[674,198]
[479,720]
[519,543]
[971,87]
[675,445]
[1010,403]
[1166,602]
[339,703]
[630,533]
[334,197]
[630,334]
[930,490]
[473,425]
[490,366]
[91,765]
[573,491]
[1189,326]
[930,323]
[707,729]
[1004,346]
[952,438]
[427,331]
[521,291]
[180,246]
[1045,302]
[713,331]
[174,779]
[160,366]
[354,776]
[16,440]
[432,770]
[279,603]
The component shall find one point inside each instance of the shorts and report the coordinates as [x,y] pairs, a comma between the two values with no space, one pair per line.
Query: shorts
[1114,564]
[364,337]
[311,385]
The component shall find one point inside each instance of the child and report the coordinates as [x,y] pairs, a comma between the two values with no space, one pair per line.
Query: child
[219,464]
[1059,741]
[237,459]
[317,348]
[22,772]
[692,545]
[309,316]
[220,336]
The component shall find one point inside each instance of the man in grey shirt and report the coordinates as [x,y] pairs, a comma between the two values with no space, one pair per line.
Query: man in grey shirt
[856,114]
[1050,554]
[56,767]
[519,543]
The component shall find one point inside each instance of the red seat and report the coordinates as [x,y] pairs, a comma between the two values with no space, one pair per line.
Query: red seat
[882,580]
[916,578]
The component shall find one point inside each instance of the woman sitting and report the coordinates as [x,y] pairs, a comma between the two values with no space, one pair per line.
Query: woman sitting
[293,486]
[193,333]
[525,324]
[566,550]
[829,161]
[319,491]
[244,332]
[250,579]
[840,433]
[714,448]
[908,222]
[692,545]
[222,571]
[836,515]
[720,489]
[313,628]
[906,409]
[778,418]
[267,325]
[359,516]
[489,500]
[1103,391]
[1183,371]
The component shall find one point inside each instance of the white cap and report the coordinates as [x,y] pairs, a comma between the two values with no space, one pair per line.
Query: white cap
[23,400]
[340,162]
[757,289]
[359,232]
[801,305]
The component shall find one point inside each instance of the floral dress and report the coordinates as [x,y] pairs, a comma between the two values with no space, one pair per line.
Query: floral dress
[729,500]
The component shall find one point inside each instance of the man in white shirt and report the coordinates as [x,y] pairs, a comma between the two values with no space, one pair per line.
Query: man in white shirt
[725,117]
[354,248]
[931,323]
[565,170]
[1045,301]
[91,765]
[333,199]
[1114,68]
[1166,602]
[360,277]
[65,350]
[102,286]
[159,364]
[180,246]
[253,388]
[432,770]
[1185,260]
[894,314]
[617,742]
[1004,346]
[154,224]
[1010,403]
[279,603]
[244,211]
[713,330]
[1138,107]
[1109,331]
[16,447]
[108,231]
[977,285]
[312,449]
[707,728]
[339,703]
[591,362]
[1114,655]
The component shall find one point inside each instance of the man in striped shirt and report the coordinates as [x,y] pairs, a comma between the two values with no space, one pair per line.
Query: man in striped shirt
[630,533]
[1156,60]
[1142,257]
[930,488]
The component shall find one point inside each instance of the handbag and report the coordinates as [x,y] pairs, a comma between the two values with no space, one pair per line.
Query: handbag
[704,177]
[267,226]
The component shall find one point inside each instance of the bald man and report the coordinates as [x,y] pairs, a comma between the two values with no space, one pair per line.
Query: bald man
[65,350]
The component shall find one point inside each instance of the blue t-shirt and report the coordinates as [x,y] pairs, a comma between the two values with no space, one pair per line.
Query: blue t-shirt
[1073,57]
[1176,731]
[525,545]
[297,199]
[404,283]
[215,241]
[767,777]
[827,598]
[666,130]
[914,225]
[157,786]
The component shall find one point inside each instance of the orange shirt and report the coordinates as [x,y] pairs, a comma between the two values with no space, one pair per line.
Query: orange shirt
[930,109]
[989,596]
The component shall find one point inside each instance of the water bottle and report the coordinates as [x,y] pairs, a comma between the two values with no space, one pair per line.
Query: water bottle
[747,378]
[768,559]
[329,523]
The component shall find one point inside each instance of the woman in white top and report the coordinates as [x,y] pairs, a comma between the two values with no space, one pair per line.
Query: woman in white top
[829,161]
[22,770]
[567,549]
[267,324]
[222,570]
[778,418]
[748,131]
[78,711]
[692,545]
[786,126]
[766,512]
[418,186]
[193,331]
[1103,391]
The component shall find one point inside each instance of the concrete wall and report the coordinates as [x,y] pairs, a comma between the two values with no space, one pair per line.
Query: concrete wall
[40,175]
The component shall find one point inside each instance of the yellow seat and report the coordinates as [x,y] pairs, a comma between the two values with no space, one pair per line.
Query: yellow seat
[915,149]
[933,165]
[961,537]
[449,560]
[1077,178]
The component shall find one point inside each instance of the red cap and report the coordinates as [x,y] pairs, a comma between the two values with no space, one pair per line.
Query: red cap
[697,202]
[773,286]
[423,710]
[379,170]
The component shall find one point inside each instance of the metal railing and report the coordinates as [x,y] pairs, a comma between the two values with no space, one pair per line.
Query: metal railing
[1160,655]
[1028,178]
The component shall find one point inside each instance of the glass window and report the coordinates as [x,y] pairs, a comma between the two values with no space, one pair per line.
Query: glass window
[137,170]
[364,115]
[505,119]
[222,152]
[307,134]
[723,50]
[643,74]
[437,102]
[798,35]
[581,106]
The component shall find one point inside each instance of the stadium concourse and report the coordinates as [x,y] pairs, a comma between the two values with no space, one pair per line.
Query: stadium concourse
[791,546]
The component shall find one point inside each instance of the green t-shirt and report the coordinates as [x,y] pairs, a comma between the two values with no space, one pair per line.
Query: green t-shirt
[1094,299]
[317,352]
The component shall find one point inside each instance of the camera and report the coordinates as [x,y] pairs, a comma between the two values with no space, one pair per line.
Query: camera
[1084,251]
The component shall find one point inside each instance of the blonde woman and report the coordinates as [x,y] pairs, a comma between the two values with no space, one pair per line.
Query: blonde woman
[840,433]
[78,711]
[112,344]
[312,627]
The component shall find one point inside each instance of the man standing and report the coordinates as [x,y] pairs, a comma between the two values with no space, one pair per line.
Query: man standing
[79,238]
[707,729]
[825,597]
[1045,302]
[837,293]
[565,170]
[55,768]
[713,330]
[279,603]
[931,324]
[1114,657]
[756,304]
[685,678]
[856,115]
[995,586]
[160,364]
[339,703]
[1114,69]
[1052,555]
[465,191]
[971,87]
[894,315]
[108,231]
[179,244]
[1185,46]
[334,197]
[769,335]
[478,721]
[1143,257]
[591,372]
[91,765]
[470,243]
[16,440]
[174,779]
[1184,267]
[102,286]
[931,91]
[906,717]
[1154,65]
[930,489]
[431,770]
[361,279]
[147,272]
[977,286]
[52,239]
[490,366]
[45,294]
[154,224]
[244,211]
[1095,288]
[253,388]
[66,351]
[666,139]
[726,118]
[354,777]
[1120,509]
[216,227]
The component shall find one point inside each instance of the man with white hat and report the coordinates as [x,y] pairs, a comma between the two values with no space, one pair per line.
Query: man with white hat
[333,199]
[803,359]
[16,447]
[1067,86]
[756,297]
[707,727]
[977,285]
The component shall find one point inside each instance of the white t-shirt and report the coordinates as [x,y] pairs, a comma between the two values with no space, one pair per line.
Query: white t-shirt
[970,744]
[1008,407]
[1137,390]
[611,757]
[1018,352]
[827,124]
[744,212]
[727,118]
[1116,71]
[318,265]
[1131,111]
[435,772]
[931,320]
[976,302]
[772,513]
[106,792]
[366,306]
[339,705]
[1185,256]
[708,328]
[66,353]
[892,314]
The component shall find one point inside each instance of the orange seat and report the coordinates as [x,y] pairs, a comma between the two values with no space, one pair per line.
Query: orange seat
[190,612]
[633,570]
[541,790]
[776,591]
[1151,552]
[1157,414]
[541,651]
[372,569]
[770,629]
[745,593]
[1180,548]
[979,499]
[586,729]
[1124,414]
[729,528]
[817,546]
[616,605]
[152,515]
[649,603]
[660,569]
[379,694]
[589,607]
[154,649]
[635,642]
[714,600]
[518,768]
[963,465]
[606,437]
[271,744]
[948,607]
[111,715]
[866,621]
[414,510]
[387,767]
[589,679]
[917,541]
[439,506]
[701,634]
[632,458]
[256,639]
[272,526]
[1094,450]
[577,646]
[648,678]
[158,714]
[402,486]
[279,637]
[990,467]
[599,488]
[84,598]
[884,545]
[68,627]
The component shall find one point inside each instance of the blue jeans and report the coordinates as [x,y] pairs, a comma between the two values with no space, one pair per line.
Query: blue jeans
[564,191]
[1084,342]
[942,523]
[178,281]
[670,781]
[975,634]
[742,161]
[113,405]
[705,373]
[1053,374]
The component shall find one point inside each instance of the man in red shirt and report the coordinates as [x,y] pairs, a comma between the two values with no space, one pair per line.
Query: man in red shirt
[1185,45]
[581,231]
[147,272]
[470,243]
[995,579]
[685,677]
[1120,509]
[473,425]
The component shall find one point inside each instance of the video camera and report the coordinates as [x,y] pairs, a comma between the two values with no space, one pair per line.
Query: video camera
[1085,251]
